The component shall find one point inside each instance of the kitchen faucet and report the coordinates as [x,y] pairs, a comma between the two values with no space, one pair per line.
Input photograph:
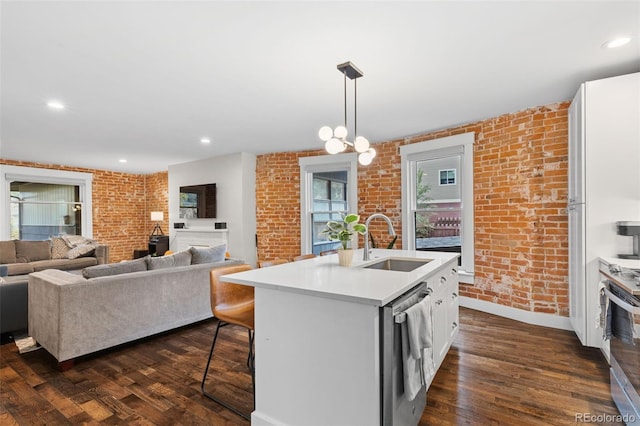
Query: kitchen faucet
[365,256]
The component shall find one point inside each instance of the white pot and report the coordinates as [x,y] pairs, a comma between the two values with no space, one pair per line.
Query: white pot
[345,256]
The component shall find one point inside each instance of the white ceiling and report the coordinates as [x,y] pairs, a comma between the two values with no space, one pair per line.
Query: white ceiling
[146,80]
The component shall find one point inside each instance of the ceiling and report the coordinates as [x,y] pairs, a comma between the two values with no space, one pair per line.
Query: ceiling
[146,80]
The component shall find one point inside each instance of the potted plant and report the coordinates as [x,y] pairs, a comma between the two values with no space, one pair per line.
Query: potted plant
[343,231]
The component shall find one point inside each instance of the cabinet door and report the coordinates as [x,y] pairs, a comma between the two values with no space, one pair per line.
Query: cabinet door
[453,312]
[576,149]
[440,327]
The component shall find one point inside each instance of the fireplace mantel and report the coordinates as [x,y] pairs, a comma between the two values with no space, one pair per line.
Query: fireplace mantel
[200,237]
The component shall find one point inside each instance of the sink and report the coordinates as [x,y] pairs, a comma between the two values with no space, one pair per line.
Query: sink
[398,264]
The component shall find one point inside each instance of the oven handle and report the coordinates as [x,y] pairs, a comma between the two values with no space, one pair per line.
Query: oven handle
[401,317]
[624,305]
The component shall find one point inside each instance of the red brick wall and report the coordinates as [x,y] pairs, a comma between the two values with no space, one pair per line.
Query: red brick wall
[121,206]
[520,181]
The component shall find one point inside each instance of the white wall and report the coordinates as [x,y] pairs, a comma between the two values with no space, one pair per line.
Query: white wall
[235,179]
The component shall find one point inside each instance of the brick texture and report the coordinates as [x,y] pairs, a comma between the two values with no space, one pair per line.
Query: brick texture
[520,194]
[122,203]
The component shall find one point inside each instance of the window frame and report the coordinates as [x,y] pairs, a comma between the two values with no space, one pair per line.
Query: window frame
[31,174]
[410,154]
[455,177]
[318,164]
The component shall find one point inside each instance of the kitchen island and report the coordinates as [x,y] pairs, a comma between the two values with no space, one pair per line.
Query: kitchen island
[318,339]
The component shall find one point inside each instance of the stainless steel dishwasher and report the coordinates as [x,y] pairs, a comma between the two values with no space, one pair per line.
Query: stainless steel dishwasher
[395,406]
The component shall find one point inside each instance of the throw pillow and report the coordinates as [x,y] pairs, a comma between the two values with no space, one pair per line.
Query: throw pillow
[7,252]
[207,255]
[80,250]
[137,265]
[59,248]
[31,251]
[75,240]
[182,258]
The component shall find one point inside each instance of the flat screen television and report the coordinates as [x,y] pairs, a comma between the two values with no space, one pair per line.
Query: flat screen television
[198,201]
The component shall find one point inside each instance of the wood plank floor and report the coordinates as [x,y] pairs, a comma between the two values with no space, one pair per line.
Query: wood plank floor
[498,372]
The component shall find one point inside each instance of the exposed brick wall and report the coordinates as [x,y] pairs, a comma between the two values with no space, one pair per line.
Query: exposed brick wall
[121,206]
[520,177]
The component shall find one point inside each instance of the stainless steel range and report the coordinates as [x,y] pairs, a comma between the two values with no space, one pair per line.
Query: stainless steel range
[623,330]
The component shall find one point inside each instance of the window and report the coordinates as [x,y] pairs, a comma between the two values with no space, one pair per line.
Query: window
[437,198]
[327,191]
[447,177]
[40,210]
[43,202]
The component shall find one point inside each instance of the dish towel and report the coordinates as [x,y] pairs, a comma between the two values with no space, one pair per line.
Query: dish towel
[417,352]
[601,317]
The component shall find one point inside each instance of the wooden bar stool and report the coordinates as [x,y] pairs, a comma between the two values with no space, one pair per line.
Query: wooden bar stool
[304,256]
[231,304]
[273,262]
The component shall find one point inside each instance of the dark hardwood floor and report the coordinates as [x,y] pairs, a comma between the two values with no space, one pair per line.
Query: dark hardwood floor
[498,372]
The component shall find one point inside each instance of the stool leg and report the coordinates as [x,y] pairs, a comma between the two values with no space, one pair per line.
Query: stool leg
[212,397]
[213,345]
[252,336]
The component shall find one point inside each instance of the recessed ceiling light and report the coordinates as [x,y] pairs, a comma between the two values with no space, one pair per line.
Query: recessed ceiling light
[205,140]
[122,160]
[617,42]
[55,105]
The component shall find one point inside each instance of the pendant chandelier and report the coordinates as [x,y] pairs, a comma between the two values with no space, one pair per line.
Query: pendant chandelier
[336,139]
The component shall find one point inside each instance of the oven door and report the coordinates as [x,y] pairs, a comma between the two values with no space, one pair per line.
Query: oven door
[625,358]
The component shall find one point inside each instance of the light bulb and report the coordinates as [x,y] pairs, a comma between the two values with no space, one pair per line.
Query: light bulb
[372,152]
[365,158]
[343,146]
[340,132]
[325,133]
[333,146]
[361,144]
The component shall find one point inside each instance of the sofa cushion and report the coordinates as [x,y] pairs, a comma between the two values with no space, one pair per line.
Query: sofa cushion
[19,268]
[30,251]
[137,265]
[182,258]
[59,248]
[7,252]
[207,255]
[64,264]
[81,250]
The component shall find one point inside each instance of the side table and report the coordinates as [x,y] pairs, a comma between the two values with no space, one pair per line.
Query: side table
[138,253]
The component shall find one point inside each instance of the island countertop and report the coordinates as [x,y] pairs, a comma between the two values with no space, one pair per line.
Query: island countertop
[323,277]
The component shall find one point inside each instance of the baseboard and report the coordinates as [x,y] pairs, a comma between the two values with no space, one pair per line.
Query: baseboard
[535,318]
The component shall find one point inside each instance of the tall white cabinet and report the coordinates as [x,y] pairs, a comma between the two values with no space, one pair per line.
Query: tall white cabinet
[604,188]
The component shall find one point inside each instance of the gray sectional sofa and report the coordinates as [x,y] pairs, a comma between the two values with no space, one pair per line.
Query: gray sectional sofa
[71,315]
[20,258]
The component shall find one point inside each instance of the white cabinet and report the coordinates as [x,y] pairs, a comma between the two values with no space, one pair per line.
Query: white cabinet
[444,309]
[604,188]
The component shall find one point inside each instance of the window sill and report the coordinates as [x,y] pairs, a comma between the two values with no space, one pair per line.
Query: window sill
[466,277]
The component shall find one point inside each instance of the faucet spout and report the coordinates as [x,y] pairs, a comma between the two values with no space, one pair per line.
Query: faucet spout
[392,232]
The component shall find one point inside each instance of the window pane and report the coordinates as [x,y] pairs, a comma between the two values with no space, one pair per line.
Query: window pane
[338,191]
[320,189]
[40,210]
[438,229]
[438,206]
[329,203]
[339,206]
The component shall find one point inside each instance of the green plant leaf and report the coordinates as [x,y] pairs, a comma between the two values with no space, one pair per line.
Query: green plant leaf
[350,218]
[360,228]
